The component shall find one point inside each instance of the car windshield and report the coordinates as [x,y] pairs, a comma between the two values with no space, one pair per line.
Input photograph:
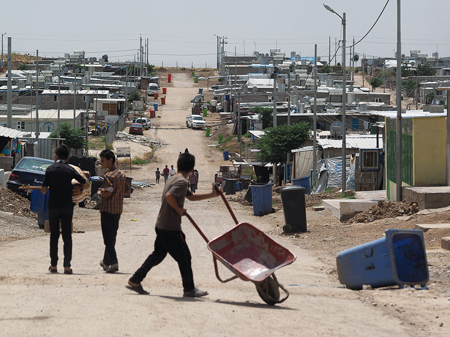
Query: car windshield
[33,164]
[135,125]
[197,118]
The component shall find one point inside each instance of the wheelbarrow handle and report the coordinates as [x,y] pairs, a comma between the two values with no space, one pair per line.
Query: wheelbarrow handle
[226,204]
[196,227]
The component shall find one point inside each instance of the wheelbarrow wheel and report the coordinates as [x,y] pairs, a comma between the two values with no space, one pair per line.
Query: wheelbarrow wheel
[268,290]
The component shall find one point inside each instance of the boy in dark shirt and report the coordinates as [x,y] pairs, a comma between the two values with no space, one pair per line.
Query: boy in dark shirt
[58,178]
[169,236]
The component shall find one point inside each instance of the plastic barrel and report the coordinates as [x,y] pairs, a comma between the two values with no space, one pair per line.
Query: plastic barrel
[229,186]
[152,113]
[303,182]
[262,199]
[220,139]
[195,79]
[200,90]
[37,204]
[163,100]
[225,155]
[294,208]
[397,259]
[169,78]
[239,186]
[208,132]
[155,106]
[205,112]
[164,91]
[156,95]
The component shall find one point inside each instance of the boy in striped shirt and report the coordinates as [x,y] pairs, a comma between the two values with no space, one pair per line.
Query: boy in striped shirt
[111,207]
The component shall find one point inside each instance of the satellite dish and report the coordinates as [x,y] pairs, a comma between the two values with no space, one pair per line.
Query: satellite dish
[254,89]
[77,70]
[83,71]
[357,100]
[116,95]
[66,69]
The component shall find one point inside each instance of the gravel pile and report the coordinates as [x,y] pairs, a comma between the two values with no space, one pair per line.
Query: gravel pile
[13,203]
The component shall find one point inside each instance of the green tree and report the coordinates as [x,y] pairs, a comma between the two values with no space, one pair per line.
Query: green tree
[134,96]
[425,70]
[22,66]
[406,72]
[325,69]
[410,86]
[264,114]
[78,67]
[278,141]
[356,57]
[430,97]
[150,69]
[75,138]
[375,82]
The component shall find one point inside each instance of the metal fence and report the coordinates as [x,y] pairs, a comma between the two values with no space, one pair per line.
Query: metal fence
[118,125]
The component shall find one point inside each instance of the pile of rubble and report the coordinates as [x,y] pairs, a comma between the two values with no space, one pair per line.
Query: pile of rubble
[386,209]
[122,136]
[13,203]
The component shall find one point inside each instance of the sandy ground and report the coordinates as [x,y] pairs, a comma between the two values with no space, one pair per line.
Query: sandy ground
[92,303]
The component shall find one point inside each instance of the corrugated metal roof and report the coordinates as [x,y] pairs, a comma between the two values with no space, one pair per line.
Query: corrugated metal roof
[9,133]
[408,114]
[352,142]
[257,133]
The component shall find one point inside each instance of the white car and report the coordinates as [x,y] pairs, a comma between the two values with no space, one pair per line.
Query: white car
[152,89]
[195,122]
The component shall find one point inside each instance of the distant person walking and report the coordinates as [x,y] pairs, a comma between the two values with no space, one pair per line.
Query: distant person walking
[172,171]
[58,179]
[165,174]
[157,175]
[192,182]
[114,188]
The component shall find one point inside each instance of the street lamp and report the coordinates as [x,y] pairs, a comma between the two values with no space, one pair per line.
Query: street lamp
[1,66]
[344,99]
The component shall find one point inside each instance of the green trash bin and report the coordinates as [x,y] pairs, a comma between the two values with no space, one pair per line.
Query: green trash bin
[208,132]
[205,112]
[195,79]
[220,139]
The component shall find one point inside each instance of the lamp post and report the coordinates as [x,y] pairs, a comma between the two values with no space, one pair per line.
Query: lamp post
[1,66]
[344,99]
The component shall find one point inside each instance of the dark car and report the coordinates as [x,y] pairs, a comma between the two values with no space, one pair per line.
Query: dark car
[28,171]
[137,129]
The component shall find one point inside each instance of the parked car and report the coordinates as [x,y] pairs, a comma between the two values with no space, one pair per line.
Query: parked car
[28,171]
[137,129]
[195,122]
[152,89]
[144,122]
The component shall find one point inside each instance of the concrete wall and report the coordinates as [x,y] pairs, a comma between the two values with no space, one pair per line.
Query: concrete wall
[429,136]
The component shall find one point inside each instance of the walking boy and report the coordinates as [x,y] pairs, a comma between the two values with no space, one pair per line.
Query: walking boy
[172,171]
[165,174]
[58,178]
[114,188]
[169,236]
[157,174]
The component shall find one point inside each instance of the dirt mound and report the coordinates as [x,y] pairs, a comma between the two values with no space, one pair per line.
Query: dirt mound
[13,203]
[316,199]
[386,209]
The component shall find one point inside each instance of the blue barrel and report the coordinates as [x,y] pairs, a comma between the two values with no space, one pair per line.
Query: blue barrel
[38,201]
[155,106]
[200,90]
[303,182]
[225,155]
[397,259]
[226,97]
[239,186]
[262,199]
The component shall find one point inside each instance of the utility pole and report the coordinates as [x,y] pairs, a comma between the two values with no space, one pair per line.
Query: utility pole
[2,50]
[37,105]
[344,107]
[147,49]
[329,50]
[74,97]
[141,66]
[315,119]
[335,50]
[362,67]
[274,113]
[398,156]
[9,84]
[353,60]
[59,96]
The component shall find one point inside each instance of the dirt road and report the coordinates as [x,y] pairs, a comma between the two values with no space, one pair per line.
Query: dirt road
[92,303]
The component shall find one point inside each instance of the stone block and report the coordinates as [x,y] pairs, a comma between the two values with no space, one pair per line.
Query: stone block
[445,242]
[427,227]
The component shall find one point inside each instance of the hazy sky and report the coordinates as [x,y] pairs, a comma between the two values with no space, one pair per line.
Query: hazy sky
[183,31]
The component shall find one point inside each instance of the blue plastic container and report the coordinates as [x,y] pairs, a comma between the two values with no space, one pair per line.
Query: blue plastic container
[262,199]
[239,186]
[398,259]
[200,90]
[226,97]
[225,155]
[303,182]
[155,106]
[37,204]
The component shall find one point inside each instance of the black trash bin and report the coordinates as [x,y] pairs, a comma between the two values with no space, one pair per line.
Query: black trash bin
[229,186]
[95,186]
[294,209]
[129,181]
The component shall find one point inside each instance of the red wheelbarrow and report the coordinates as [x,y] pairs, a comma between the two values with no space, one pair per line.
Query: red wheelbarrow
[251,255]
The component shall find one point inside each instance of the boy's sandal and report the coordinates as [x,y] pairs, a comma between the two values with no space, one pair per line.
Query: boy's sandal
[68,271]
[53,271]
[195,293]
[138,289]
